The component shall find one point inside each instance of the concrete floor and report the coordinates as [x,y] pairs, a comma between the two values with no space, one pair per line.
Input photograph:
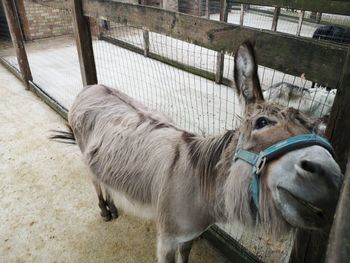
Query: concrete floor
[48,207]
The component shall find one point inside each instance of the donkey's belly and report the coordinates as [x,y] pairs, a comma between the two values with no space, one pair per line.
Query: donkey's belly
[129,205]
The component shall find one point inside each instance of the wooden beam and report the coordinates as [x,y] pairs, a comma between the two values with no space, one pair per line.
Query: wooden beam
[228,246]
[84,44]
[55,105]
[341,7]
[17,40]
[338,128]
[318,61]
[339,241]
[276,14]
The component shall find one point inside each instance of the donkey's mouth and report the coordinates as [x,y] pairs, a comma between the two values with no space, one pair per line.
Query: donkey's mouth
[308,205]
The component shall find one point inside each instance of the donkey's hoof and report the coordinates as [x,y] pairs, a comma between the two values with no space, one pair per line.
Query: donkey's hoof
[114,215]
[106,216]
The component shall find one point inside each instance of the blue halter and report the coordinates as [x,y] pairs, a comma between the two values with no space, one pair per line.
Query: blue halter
[258,161]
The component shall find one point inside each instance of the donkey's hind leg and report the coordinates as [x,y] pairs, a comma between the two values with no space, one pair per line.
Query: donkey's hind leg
[112,208]
[105,213]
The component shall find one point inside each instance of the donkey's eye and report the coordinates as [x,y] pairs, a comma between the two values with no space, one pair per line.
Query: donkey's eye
[261,123]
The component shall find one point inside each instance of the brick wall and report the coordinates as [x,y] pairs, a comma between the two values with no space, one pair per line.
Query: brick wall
[44,21]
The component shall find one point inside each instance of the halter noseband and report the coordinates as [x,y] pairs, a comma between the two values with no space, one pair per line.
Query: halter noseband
[258,161]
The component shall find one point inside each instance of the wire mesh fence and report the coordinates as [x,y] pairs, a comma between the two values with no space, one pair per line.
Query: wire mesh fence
[171,76]
[6,46]
[193,102]
[51,49]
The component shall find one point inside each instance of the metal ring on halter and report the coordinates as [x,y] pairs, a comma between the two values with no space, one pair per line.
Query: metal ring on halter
[260,164]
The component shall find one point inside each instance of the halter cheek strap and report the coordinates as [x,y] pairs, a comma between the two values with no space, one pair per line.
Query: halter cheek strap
[258,161]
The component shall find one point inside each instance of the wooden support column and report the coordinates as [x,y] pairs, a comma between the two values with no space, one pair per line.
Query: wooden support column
[339,241]
[241,17]
[276,14]
[17,40]
[84,44]
[220,57]
[300,22]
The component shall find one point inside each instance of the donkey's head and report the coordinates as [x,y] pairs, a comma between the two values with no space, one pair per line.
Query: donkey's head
[294,183]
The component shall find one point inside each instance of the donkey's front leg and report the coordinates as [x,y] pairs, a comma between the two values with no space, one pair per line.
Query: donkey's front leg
[166,248]
[184,251]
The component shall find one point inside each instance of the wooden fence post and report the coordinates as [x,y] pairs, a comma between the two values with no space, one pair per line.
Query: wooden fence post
[145,35]
[276,14]
[17,40]
[300,22]
[220,57]
[339,241]
[145,42]
[241,17]
[207,9]
[84,44]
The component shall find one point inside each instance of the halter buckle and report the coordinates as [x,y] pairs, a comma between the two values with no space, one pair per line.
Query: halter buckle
[260,164]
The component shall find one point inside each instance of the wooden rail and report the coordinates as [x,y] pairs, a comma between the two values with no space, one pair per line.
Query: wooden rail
[341,7]
[317,61]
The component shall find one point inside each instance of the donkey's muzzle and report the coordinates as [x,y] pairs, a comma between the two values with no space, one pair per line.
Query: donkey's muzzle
[319,188]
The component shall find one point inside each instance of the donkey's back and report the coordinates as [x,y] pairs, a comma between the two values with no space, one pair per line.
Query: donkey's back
[122,143]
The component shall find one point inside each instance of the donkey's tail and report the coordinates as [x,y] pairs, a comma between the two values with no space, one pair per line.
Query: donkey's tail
[63,136]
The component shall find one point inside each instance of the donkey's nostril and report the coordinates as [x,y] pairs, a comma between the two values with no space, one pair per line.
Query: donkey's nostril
[308,166]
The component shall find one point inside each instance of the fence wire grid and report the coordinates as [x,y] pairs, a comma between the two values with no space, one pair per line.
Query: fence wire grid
[162,79]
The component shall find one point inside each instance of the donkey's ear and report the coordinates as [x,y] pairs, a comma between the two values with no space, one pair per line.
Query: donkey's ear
[246,75]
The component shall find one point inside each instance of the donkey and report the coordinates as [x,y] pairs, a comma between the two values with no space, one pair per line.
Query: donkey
[275,170]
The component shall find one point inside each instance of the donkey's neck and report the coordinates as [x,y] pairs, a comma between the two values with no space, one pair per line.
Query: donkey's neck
[211,158]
